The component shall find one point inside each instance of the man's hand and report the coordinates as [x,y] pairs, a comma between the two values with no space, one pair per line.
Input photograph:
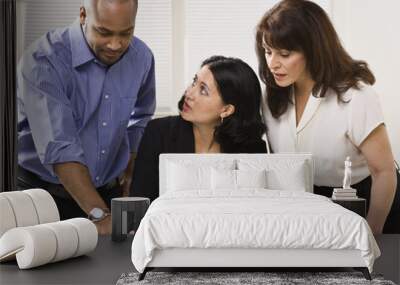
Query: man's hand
[125,178]
[126,186]
[125,181]
[104,226]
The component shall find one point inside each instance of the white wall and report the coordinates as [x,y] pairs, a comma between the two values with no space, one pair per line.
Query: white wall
[370,30]
[217,27]
[183,32]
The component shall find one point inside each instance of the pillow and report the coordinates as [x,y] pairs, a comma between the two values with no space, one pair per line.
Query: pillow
[251,178]
[183,177]
[237,179]
[193,174]
[281,174]
[292,179]
[223,179]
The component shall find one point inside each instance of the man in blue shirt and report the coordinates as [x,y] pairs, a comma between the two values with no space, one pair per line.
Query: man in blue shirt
[85,95]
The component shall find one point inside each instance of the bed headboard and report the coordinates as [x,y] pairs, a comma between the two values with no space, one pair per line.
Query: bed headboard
[269,161]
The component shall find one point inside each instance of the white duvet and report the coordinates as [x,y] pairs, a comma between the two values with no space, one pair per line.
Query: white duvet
[250,219]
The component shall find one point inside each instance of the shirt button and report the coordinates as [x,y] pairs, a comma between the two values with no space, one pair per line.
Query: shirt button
[104,124]
[97,178]
[103,151]
[107,96]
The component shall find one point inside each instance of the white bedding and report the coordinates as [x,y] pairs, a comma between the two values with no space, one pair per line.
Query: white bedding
[253,218]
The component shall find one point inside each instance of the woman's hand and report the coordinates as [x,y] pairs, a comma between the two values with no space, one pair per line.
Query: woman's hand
[375,224]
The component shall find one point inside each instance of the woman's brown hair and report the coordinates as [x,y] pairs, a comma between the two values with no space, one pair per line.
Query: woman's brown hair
[301,25]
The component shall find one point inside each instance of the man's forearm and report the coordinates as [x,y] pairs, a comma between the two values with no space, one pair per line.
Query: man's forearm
[76,180]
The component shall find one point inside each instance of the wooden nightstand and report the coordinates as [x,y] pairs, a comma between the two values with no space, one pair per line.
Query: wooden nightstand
[357,205]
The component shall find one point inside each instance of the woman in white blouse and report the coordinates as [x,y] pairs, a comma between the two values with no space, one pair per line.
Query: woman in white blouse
[320,100]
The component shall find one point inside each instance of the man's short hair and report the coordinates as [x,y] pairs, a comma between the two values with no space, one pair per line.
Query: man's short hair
[92,4]
[89,3]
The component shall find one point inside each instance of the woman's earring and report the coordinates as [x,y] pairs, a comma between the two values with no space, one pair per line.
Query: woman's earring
[222,119]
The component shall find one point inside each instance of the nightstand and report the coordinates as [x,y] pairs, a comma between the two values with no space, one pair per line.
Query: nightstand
[126,214]
[357,205]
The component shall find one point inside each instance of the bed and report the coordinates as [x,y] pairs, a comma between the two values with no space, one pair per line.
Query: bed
[246,211]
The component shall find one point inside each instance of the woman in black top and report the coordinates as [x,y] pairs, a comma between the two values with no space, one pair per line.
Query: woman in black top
[219,113]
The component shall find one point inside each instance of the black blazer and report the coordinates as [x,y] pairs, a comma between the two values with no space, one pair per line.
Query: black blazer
[168,135]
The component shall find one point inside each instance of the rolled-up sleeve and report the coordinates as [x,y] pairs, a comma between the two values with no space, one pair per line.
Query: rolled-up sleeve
[49,113]
[143,109]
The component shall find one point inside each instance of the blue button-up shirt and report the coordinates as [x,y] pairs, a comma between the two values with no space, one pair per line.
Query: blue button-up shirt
[72,108]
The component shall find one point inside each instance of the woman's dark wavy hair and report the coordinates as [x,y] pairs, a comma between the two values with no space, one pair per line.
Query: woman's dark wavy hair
[302,25]
[238,85]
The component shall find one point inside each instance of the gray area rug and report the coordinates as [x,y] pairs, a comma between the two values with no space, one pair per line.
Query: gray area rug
[231,278]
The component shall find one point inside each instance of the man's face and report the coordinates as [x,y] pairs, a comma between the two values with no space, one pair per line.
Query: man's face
[108,27]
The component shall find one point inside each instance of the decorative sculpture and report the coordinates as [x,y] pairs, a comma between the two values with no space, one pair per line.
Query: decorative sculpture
[31,231]
[346,192]
[347,174]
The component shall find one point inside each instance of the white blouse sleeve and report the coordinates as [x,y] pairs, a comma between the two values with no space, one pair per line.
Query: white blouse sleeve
[365,114]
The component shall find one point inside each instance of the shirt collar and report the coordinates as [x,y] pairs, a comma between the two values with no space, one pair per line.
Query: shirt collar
[81,52]
[309,112]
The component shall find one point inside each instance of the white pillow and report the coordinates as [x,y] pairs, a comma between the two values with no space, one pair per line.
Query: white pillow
[237,179]
[223,179]
[292,179]
[251,178]
[282,174]
[187,177]
[189,174]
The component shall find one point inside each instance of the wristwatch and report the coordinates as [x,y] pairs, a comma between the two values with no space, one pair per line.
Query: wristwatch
[98,214]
